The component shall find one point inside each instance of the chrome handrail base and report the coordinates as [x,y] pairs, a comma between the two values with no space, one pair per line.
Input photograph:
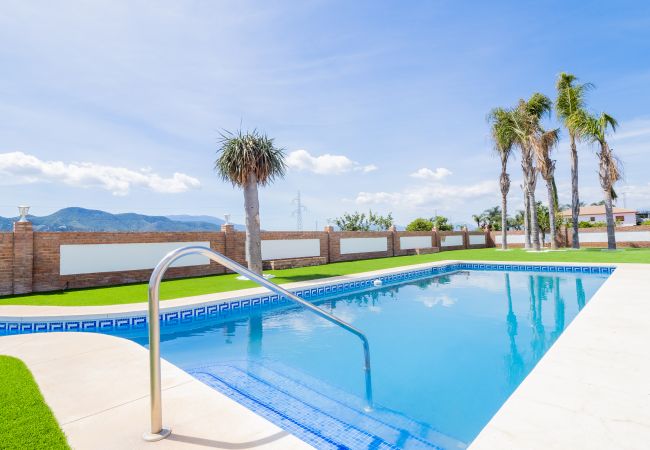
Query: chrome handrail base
[154,437]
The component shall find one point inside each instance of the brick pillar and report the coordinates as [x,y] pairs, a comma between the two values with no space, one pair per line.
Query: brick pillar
[465,237]
[393,236]
[489,242]
[23,257]
[328,229]
[228,245]
[435,238]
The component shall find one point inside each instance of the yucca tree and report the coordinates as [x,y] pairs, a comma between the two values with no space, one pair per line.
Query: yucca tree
[543,143]
[570,102]
[609,171]
[504,139]
[249,160]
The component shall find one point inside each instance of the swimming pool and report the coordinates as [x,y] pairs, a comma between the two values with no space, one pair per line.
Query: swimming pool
[447,350]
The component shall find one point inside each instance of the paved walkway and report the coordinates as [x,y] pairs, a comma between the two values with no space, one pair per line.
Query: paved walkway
[98,388]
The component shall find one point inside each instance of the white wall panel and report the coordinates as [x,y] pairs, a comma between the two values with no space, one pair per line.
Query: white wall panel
[451,241]
[476,239]
[410,242]
[290,248]
[92,258]
[621,236]
[592,237]
[512,239]
[363,245]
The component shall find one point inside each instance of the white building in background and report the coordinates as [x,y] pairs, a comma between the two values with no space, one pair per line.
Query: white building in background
[623,216]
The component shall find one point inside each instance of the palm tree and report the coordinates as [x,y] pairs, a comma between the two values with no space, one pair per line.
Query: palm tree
[571,101]
[531,113]
[478,218]
[248,160]
[543,143]
[519,127]
[504,140]
[609,171]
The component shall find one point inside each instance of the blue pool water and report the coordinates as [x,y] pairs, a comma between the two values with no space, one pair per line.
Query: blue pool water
[446,352]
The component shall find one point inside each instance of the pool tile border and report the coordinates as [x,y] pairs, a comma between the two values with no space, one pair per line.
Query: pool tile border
[224,308]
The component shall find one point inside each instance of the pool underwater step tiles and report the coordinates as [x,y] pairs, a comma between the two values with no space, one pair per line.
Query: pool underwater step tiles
[318,413]
[393,419]
[242,306]
[407,427]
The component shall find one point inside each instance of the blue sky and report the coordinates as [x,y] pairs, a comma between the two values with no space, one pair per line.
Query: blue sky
[118,105]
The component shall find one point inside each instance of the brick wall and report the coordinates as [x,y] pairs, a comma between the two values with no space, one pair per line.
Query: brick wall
[6,263]
[397,247]
[23,258]
[31,261]
[335,245]
[46,271]
[565,237]
[643,231]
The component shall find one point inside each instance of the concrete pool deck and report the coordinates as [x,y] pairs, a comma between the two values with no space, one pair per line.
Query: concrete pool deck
[590,390]
[98,389]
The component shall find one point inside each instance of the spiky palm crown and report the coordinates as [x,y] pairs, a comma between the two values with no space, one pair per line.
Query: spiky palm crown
[517,126]
[570,99]
[242,154]
[595,128]
[503,133]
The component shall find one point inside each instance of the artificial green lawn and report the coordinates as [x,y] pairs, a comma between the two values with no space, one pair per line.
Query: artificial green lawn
[135,293]
[26,422]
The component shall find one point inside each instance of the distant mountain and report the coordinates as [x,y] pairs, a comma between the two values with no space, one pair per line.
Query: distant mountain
[206,219]
[81,219]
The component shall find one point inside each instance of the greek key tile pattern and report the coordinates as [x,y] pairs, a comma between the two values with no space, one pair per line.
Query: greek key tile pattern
[267,301]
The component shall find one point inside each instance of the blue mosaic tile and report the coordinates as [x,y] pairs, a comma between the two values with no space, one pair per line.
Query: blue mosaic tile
[72,326]
[58,326]
[225,309]
[88,325]
[105,324]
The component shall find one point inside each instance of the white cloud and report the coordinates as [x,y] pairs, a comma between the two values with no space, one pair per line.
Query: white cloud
[440,300]
[431,175]
[429,194]
[23,168]
[325,164]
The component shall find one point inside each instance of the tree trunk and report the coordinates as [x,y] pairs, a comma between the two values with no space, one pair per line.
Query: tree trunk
[504,222]
[575,200]
[534,226]
[527,244]
[253,240]
[551,214]
[609,215]
[505,187]
[606,183]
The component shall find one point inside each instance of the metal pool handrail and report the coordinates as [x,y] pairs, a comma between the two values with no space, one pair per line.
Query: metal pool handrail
[157,431]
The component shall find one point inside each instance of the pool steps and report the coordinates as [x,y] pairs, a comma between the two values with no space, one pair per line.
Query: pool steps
[316,412]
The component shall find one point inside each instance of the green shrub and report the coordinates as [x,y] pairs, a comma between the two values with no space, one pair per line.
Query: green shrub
[420,224]
[585,224]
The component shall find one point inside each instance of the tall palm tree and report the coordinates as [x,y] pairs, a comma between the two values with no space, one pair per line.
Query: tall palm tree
[543,143]
[609,170]
[531,113]
[478,218]
[518,127]
[249,160]
[504,140]
[571,101]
